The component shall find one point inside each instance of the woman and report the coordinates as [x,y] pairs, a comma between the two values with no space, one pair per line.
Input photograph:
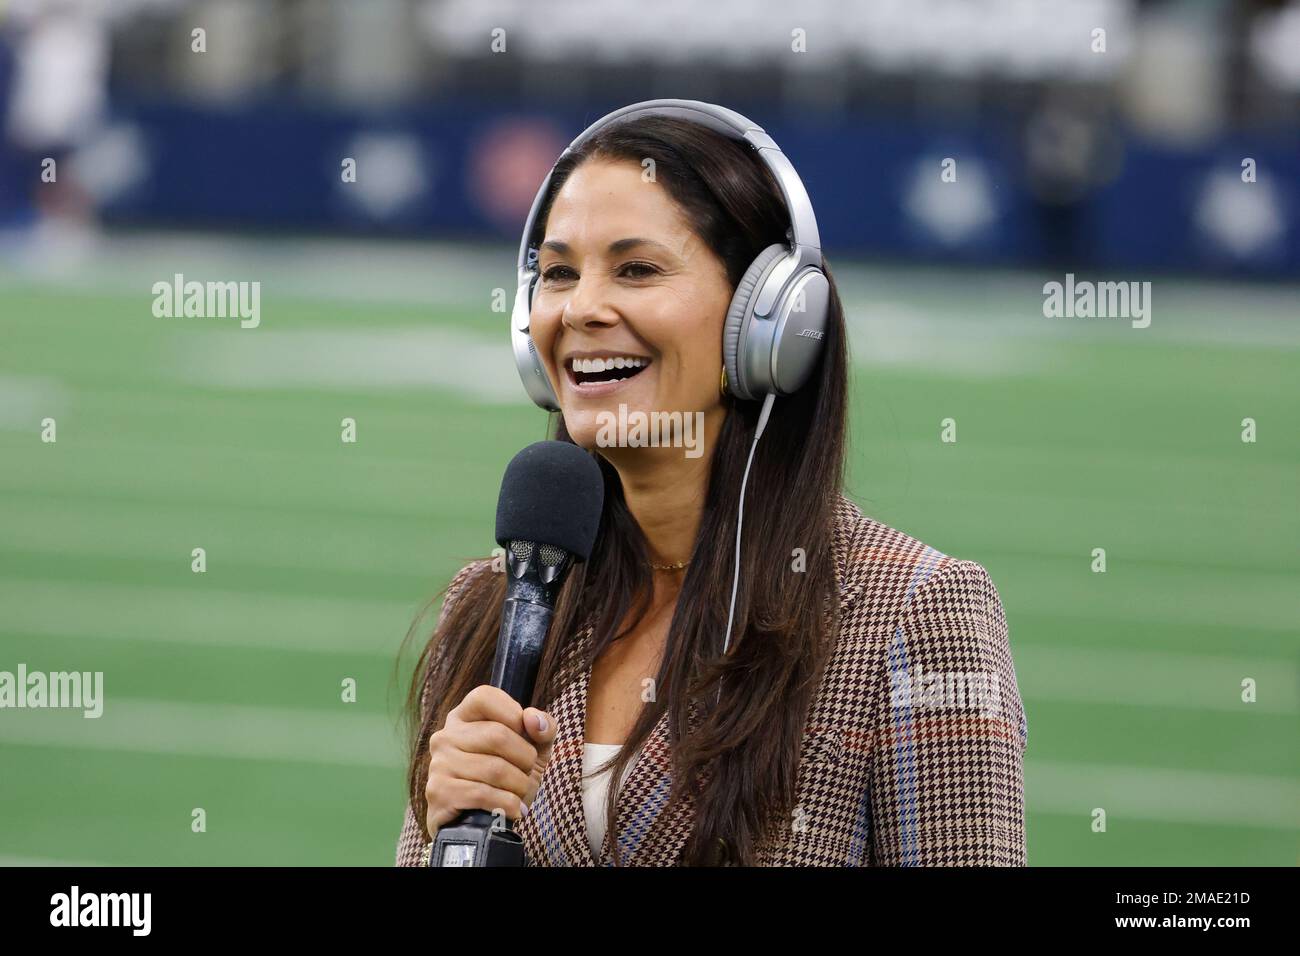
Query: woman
[865,711]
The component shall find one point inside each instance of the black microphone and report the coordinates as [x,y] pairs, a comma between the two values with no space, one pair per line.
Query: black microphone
[548,515]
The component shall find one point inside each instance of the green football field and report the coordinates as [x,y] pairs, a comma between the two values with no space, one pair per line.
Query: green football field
[223,689]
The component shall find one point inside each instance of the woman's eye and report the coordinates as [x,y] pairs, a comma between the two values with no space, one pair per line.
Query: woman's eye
[552,274]
[643,270]
[633,270]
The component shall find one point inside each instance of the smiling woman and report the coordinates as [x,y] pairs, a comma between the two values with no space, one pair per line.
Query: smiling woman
[757,703]
[595,268]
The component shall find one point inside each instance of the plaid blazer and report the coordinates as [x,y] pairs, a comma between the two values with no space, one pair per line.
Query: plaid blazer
[912,748]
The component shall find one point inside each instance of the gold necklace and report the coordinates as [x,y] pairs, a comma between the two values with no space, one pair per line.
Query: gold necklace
[670,567]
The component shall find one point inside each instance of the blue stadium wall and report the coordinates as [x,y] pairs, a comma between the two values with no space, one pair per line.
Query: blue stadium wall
[276,165]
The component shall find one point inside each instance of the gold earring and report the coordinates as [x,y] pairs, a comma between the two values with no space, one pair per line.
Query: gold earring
[722,386]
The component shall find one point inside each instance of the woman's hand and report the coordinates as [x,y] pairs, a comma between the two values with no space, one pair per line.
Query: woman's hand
[489,755]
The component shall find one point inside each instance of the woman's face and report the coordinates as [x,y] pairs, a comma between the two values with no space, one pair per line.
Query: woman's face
[629,305]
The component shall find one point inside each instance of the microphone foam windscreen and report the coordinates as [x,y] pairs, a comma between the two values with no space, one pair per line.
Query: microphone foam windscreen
[552,493]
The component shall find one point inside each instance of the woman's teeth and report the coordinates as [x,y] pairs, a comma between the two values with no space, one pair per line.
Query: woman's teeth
[605,364]
[606,369]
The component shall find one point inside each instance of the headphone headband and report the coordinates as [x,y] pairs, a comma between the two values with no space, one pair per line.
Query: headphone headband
[803,222]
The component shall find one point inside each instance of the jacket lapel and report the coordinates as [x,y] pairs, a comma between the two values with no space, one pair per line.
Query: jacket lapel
[649,831]
[555,830]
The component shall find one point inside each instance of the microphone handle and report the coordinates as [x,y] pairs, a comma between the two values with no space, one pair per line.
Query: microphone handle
[524,624]
[473,838]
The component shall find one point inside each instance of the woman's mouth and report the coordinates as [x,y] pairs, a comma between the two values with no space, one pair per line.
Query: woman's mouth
[603,374]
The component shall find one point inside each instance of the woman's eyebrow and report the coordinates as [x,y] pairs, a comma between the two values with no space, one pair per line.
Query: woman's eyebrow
[615,247]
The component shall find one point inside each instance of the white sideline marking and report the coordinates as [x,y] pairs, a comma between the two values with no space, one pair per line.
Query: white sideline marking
[236,731]
[26,399]
[1162,795]
[477,367]
[47,861]
[212,618]
[1154,679]
[368,740]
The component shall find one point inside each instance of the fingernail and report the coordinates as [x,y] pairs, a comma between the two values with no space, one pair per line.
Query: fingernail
[525,806]
[541,724]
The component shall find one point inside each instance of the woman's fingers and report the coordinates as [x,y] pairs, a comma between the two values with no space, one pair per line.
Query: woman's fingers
[489,755]
[496,772]
[486,702]
[455,795]
[487,737]
[540,728]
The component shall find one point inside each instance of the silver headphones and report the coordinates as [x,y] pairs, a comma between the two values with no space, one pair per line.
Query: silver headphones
[777,320]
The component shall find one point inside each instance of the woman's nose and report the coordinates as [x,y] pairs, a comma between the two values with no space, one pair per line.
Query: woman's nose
[588,306]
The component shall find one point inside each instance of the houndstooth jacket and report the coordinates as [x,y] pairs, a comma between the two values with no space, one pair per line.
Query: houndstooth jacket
[912,748]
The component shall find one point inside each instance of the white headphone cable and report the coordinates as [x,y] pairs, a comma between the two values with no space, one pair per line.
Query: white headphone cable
[740,520]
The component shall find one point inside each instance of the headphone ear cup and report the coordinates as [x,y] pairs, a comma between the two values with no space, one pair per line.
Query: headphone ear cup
[532,371]
[734,326]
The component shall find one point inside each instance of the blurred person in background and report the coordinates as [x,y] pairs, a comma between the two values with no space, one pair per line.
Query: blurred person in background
[57,102]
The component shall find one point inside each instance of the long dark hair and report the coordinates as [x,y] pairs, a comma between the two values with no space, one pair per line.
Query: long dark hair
[742,759]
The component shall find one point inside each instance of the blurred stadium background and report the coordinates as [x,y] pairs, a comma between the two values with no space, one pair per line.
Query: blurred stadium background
[223,688]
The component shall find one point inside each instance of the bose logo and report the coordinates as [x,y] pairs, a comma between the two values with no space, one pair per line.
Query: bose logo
[809,334]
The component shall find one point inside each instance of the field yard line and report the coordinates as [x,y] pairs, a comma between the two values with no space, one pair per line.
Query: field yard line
[368,740]
[474,366]
[47,861]
[173,460]
[328,624]
[236,731]
[204,617]
[379,506]
[309,554]
[455,274]
[26,399]
[1154,679]
[268,447]
[1151,595]
[451,274]
[1161,795]
[1130,465]
[115,529]
[118,446]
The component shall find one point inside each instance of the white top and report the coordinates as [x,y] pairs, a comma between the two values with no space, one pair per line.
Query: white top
[594,788]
